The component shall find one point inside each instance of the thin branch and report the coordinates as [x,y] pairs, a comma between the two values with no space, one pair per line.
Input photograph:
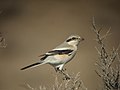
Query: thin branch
[109,75]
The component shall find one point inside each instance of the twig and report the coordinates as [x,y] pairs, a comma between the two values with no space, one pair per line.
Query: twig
[109,75]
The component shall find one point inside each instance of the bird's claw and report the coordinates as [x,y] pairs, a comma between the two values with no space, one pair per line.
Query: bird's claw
[64,69]
[67,77]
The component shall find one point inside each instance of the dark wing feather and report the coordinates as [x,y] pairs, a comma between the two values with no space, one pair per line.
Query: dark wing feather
[44,57]
[55,52]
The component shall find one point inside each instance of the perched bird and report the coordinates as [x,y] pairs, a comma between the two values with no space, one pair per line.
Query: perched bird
[60,55]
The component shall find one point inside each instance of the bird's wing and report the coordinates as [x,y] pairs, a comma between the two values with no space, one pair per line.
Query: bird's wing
[60,52]
[55,52]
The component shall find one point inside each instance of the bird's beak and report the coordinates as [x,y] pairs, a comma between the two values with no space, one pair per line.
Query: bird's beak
[82,39]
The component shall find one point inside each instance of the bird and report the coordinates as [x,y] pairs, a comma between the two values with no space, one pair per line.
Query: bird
[60,55]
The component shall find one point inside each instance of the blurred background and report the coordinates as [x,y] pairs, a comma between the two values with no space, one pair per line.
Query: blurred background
[32,27]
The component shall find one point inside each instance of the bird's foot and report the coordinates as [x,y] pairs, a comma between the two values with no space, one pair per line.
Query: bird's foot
[66,75]
[64,69]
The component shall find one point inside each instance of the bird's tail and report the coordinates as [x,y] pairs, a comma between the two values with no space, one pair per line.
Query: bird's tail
[32,65]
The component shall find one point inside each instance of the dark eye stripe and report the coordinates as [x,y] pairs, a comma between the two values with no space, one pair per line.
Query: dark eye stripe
[71,39]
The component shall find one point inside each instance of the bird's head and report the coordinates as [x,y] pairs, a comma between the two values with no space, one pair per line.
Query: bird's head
[74,40]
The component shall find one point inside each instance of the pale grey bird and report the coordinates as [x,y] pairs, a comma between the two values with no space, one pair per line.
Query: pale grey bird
[60,55]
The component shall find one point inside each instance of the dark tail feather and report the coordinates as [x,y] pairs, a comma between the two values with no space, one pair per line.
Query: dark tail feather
[35,64]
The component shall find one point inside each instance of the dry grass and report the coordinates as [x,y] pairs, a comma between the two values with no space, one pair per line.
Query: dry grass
[107,71]
[75,83]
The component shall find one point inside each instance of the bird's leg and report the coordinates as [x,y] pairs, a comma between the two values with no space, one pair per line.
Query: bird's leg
[57,69]
[66,76]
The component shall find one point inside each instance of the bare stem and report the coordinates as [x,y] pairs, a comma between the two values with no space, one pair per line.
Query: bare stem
[109,74]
